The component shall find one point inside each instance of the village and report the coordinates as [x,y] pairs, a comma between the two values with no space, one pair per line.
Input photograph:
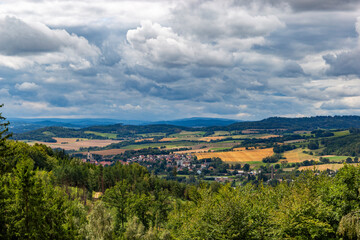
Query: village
[181,164]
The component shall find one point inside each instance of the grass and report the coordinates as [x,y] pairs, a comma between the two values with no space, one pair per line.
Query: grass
[337,158]
[47,133]
[220,148]
[341,133]
[107,135]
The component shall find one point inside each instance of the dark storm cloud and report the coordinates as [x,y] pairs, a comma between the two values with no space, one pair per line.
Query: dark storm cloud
[156,74]
[323,5]
[291,70]
[18,37]
[164,91]
[345,63]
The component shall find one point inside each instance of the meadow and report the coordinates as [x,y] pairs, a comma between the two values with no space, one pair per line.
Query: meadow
[76,143]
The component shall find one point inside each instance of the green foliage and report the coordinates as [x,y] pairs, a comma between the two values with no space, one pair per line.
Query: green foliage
[42,156]
[34,209]
[348,145]
[100,223]
[349,226]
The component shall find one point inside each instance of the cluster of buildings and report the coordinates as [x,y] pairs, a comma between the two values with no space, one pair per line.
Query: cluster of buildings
[90,159]
[182,162]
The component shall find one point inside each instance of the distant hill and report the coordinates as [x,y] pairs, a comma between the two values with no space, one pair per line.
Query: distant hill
[293,124]
[46,134]
[199,122]
[21,125]
[268,125]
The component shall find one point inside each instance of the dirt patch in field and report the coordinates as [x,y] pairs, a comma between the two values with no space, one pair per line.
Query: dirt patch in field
[77,143]
[239,156]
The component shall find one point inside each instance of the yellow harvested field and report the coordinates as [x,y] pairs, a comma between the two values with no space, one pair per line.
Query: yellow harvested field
[208,139]
[167,139]
[145,139]
[239,156]
[73,144]
[324,167]
[297,155]
[268,136]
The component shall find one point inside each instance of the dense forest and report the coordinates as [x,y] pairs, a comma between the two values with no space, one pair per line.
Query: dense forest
[347,145]
[45,194]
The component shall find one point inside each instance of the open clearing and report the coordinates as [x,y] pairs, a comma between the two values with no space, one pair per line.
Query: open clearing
[107,135]
[73,144]
[324,167]
[240,156]
[297,155]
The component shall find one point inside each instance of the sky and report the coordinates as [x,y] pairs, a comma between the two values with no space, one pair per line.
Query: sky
[162,59]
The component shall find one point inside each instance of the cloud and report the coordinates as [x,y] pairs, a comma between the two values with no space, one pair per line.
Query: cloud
[19,38]
[165,59]
[128,107]
[323,5]
[216,20]
[26,86]
[162,45]
[346,62]
[344,103]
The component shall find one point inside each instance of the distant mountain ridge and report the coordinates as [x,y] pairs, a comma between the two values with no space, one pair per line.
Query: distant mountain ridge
[20,125]
[304,123]
[199,122]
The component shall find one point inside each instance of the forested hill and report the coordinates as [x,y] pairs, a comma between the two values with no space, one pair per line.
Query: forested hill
[348,145]
[46,134]
[305,123]
[129,130]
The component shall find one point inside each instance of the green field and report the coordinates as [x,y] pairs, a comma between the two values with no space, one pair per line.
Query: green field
[220,148]
[107,135]
[47,133]
[341,133]
[338,158]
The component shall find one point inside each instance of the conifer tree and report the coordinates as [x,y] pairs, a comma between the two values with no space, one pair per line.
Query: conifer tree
[3,130]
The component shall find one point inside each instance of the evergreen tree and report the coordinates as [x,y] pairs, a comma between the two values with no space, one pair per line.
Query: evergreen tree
[3,130]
